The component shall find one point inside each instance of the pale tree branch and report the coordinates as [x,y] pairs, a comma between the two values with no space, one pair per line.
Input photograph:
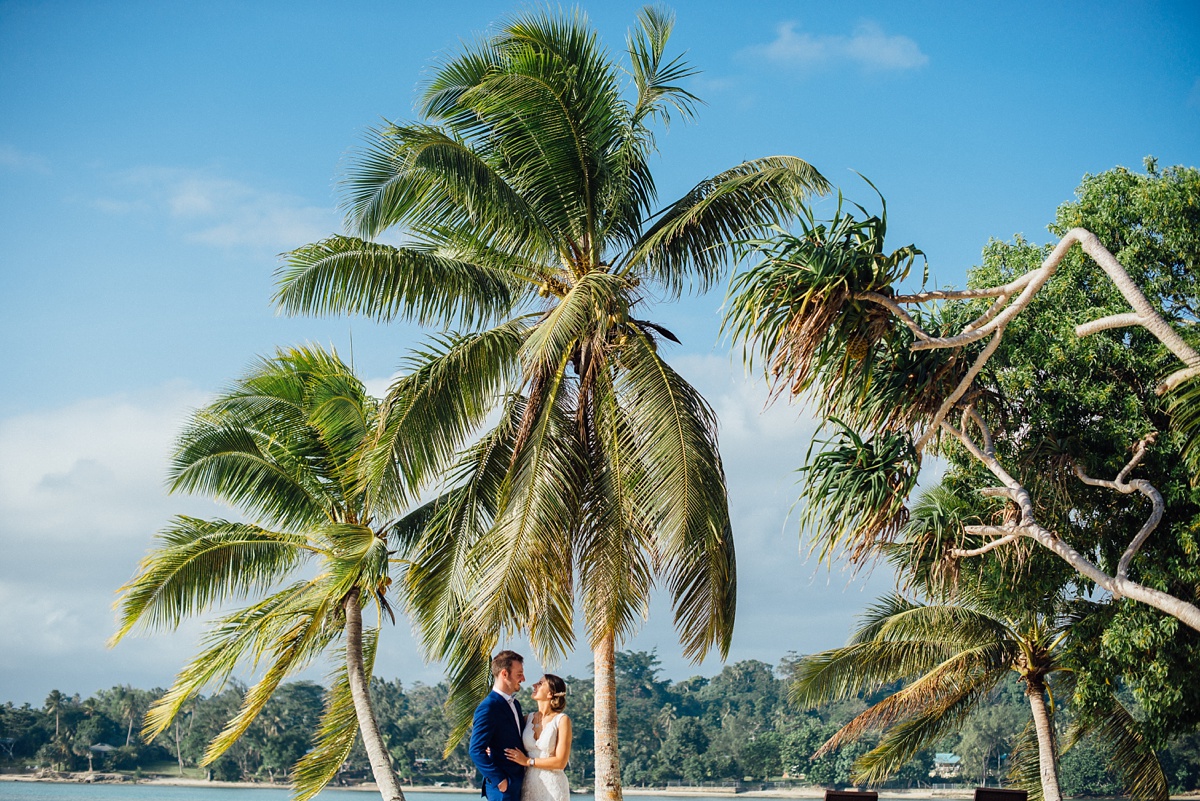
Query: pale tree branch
[1105,323]
[972,416]
[1011,536]
[994,321]
[896,309]
[1176,378]
[959,391]
[1119,585]
[1121,485]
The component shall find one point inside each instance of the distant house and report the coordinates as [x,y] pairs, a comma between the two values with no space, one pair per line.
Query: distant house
[946,766]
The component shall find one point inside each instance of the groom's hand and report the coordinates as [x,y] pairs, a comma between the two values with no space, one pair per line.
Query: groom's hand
[503,786]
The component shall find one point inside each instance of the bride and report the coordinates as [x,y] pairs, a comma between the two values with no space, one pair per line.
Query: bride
[547,738]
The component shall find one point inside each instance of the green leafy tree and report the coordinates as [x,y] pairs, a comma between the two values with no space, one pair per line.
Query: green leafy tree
[525,196]
[953,653]
[1038,381]
[285,444]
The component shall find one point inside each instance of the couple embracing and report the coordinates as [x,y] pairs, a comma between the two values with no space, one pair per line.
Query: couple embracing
[522,757]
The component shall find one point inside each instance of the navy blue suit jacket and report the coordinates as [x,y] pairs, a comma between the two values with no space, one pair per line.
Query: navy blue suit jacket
[496,728]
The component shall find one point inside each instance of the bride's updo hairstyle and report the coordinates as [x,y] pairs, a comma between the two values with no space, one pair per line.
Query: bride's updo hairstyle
[558,692]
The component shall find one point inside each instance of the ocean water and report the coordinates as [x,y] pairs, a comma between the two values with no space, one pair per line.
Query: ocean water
[65,791]
[55,791]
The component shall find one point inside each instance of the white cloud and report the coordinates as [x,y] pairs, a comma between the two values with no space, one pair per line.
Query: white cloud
[218,211]
[81,494]
[17,160]
[868,46]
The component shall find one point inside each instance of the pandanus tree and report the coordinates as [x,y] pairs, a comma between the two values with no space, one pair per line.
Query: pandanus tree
[1019,377]
[285,445]
[952,643]
[528,211]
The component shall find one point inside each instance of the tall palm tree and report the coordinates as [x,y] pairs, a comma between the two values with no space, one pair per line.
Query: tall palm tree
[527,204]
[56,702]
[951,651]
[952,654]
[284,444]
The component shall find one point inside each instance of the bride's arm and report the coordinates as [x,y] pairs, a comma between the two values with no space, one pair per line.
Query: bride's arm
[562,750]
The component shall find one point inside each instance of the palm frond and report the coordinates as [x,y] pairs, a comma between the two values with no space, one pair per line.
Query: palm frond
[525,559]
[451,385]
[655,78]
[683,492]
[616,537]
[1024,763]
[424,178]
[346,275]
[938,701]
[695,237]
[202,563]
[854,491]
[301,633]
[902,741]
[590,310]
[551,115]
[1129,752]
[259,470]
[441,574]
[1184,407]
[241,636]
[337,730]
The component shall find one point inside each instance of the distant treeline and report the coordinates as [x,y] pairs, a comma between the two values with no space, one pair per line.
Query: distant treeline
[735,726]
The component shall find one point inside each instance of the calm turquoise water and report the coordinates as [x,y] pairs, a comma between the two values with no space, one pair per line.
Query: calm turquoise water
[48,791]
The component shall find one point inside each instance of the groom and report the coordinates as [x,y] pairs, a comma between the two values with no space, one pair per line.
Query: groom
[498,723]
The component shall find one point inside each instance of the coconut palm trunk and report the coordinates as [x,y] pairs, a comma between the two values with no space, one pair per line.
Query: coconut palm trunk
[1035,691]
[360,690]
[608,760]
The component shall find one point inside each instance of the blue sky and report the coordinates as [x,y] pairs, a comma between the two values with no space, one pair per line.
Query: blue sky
[155,158]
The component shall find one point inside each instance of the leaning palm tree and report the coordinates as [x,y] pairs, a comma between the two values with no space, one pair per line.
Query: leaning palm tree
[953,649]
[529,213]
[285,445]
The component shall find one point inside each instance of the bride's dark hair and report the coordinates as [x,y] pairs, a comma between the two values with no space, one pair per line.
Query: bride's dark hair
[558,692]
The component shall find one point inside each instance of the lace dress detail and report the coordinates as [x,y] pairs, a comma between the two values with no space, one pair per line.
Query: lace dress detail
[540,784]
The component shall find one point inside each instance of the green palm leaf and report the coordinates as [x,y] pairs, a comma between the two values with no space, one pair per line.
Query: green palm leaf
[301,633]
[202,563]
[1129,753]
[694,237]
[616,537]
[683,492]
[345,275]
[525,557]
[337,730]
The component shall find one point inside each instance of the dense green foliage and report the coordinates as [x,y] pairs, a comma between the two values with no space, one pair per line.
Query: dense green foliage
[283,445]
[734,726]
[1047,409]
[1062,400]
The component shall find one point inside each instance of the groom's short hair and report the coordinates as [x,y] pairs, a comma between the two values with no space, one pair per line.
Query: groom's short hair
[504,661]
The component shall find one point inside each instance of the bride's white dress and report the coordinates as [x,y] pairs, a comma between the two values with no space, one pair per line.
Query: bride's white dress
[543,785]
